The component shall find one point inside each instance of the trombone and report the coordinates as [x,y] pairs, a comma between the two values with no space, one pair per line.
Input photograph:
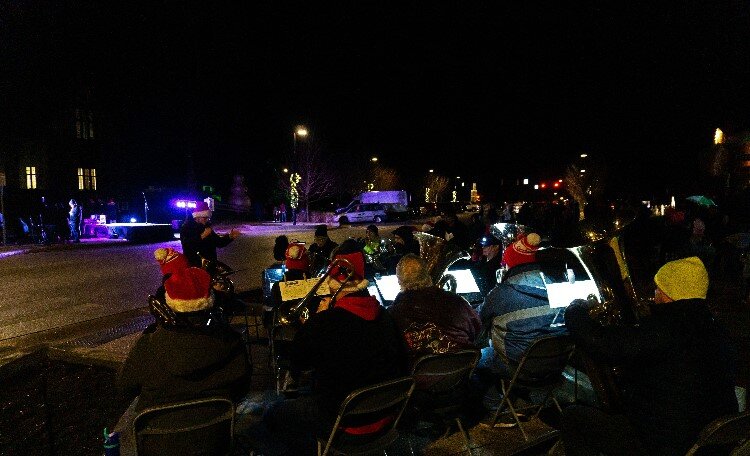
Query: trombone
[300,311]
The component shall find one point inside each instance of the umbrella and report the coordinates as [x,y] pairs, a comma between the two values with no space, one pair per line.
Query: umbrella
[701,200]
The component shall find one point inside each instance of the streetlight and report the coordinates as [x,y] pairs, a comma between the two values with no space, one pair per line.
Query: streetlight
[294,178]
[374,159]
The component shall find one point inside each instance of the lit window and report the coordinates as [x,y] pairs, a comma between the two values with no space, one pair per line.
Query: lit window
[86,179]
[31,177]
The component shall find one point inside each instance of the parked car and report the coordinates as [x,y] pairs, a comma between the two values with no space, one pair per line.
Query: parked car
[361,213]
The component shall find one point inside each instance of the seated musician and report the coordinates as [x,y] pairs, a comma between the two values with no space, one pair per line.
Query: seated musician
[198,356]
[485,270]
[514,314]
[296,267]
[321,249]
[432,320]
[349,344]
[404,242]
[677,370]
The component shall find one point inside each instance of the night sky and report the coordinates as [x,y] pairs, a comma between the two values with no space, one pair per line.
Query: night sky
[499,88]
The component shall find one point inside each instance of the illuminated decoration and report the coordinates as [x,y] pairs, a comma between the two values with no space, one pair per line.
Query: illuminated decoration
[293,193]
[184,204]
[370,186]
[427,195]
[718,136]
[474,193]
[454,200]
[672,203]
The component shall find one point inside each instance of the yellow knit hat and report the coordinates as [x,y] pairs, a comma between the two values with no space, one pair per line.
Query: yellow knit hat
[686,278]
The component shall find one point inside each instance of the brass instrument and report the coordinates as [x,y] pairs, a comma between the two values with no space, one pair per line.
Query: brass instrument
[440,255]
[300,311]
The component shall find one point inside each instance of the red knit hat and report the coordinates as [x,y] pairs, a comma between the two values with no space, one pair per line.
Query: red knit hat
[296,257]
[201,209]
[187,289]
[522,251]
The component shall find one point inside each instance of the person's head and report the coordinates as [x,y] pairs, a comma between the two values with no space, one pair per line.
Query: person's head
[402,234]
[73,203]
[202,213]
[371,232]
[279,247]
[188,289]
[522,251]
[296,257]
[321,235]
[685,278]
[348,250]
[490,246]
[413,273]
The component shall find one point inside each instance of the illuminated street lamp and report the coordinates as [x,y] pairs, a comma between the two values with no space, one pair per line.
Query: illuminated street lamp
[374,159]
[295,178]
[584,155]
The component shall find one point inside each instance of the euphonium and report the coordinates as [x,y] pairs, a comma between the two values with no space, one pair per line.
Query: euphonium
[440,255]
[300,311]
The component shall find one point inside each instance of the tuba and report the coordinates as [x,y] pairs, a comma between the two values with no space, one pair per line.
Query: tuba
[617,303]
[440,255]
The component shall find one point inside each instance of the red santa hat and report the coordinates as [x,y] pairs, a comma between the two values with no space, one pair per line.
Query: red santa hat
[170,260]
[357,281]
[522,251]
[201,210]
[187,289]
[296,257]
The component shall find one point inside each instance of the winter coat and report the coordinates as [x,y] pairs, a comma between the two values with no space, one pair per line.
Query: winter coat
[171,364]
[193,247]
[452,317]
[677,369]
[352,345]
[514,315]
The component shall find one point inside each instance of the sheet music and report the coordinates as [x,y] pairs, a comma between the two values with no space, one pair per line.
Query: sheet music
[563,293]
[298,289]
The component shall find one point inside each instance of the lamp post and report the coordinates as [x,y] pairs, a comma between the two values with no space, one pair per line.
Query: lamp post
[294,177]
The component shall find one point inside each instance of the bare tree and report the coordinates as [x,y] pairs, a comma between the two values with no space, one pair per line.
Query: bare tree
[585,185]
[384,178]
[436,185]
[316,179]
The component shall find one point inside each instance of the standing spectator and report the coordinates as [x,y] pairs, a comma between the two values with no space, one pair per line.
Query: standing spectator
[677,370]
[75,217]
[431,319]
[199,240]
[276,214]
[282,212]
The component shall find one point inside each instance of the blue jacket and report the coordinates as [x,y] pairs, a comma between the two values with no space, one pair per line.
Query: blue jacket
[514,315]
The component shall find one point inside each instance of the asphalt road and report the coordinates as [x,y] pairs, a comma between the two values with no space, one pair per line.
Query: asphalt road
[58,287]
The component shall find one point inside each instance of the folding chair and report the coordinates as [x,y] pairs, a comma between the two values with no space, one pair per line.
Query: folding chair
[384,402]
[540,369]
[442,385]
[197,427]
[730,432]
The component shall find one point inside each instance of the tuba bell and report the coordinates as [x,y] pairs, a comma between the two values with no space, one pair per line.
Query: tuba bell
[440,255]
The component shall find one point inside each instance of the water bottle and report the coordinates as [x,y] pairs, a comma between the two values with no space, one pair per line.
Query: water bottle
[111,443]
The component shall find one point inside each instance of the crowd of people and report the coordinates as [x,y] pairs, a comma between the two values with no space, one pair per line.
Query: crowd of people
[678,364]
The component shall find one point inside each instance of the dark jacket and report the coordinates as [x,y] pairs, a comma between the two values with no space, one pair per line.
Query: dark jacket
[173,364]
[514,315]
[452,315]
[193,247]
[677,369]
[320,256]
[352,345]
[485,273]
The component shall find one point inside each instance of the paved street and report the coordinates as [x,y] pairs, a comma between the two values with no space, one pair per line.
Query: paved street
[60,286]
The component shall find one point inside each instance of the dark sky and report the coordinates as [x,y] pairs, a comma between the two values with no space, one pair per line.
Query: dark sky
[506,88]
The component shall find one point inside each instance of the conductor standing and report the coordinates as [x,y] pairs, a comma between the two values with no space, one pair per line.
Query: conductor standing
[198,239]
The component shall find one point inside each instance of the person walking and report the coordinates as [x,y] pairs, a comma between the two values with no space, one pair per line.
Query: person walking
[75,217]
[282,212]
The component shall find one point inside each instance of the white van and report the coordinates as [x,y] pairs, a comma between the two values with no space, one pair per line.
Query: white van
[361,213]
